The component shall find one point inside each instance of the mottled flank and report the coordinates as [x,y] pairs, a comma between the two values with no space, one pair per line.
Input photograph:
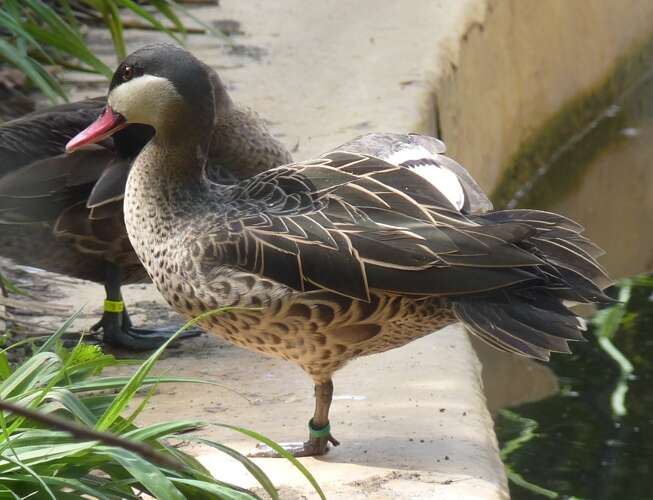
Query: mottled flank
[319,330]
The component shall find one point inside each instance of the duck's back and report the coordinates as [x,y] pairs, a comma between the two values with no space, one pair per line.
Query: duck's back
[44,133]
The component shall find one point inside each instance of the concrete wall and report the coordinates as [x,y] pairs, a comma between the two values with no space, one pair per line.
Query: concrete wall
[522,64]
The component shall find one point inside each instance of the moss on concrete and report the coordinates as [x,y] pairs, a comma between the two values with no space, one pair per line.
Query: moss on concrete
[575,116]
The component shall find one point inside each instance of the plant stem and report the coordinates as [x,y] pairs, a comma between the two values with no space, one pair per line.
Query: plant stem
[84,433]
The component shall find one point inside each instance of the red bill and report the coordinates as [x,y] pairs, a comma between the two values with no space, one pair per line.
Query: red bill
[106,125]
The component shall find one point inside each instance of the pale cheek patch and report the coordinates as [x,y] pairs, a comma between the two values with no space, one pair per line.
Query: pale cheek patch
[141,100]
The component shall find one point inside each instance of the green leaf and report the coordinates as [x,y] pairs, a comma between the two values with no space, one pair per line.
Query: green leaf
[251,467]
[163,6]
[11,288]
[222,490]
[30,373]
[114,22]
[35,457]
[51,344]
[33,474]
[71,403]
[33,70]
[11,24]
[44,453]
[140,11]
[70,47]
[209,29]
[608,320]
[83,353]
[117,382]
[163,429]
[150,476]
[129,421]
[70,15]
[28,340]
[127,392]
[276,447]
[5,369]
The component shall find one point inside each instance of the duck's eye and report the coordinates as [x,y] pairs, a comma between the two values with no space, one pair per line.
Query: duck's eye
[127,73]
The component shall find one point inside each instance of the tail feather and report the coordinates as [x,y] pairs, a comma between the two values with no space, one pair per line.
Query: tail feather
[535,218]
[519,326]
[566,254]
[532,319]
[565,325]
[588,246]
[490,330]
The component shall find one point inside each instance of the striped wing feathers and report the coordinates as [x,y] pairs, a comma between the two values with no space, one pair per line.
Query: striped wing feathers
[349,222]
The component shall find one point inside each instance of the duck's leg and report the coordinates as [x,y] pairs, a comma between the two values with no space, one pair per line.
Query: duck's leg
[117,326]
[319,430]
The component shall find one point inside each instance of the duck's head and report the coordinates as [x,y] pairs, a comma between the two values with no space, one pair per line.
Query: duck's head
[160,85]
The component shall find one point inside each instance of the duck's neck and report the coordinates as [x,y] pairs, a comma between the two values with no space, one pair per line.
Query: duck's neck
[243,144]
[164,187]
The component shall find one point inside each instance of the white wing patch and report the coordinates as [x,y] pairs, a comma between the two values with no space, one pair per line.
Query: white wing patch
[444,180]
[424,163]
[410,153]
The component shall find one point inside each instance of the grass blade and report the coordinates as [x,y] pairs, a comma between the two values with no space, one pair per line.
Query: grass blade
[50,344]
[163,6]
[163,429]
[33,70]
[136,380]
[78,411]
[70,47]
[147,474]
[140,11]
[5,369]
[33,474]
[114,23]
[11,24]
[221,490]
[280,451]
[106,383]
[209,29]
[11,287]
[251,467]
[29,374]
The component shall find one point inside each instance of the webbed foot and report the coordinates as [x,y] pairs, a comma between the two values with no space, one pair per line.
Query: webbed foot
[317,444]
[119,332]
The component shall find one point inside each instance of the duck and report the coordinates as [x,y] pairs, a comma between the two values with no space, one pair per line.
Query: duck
[366,248]
[63,213]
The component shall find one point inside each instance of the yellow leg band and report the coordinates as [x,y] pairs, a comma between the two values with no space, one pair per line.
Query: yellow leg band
[114,306]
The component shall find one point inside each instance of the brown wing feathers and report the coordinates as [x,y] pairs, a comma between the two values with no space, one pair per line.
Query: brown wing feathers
[360,215]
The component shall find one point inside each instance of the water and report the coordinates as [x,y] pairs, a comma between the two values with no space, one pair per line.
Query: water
[580,443]
[594,438]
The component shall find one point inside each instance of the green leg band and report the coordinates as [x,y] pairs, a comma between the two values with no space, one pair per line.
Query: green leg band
[319,433]
[114,306]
